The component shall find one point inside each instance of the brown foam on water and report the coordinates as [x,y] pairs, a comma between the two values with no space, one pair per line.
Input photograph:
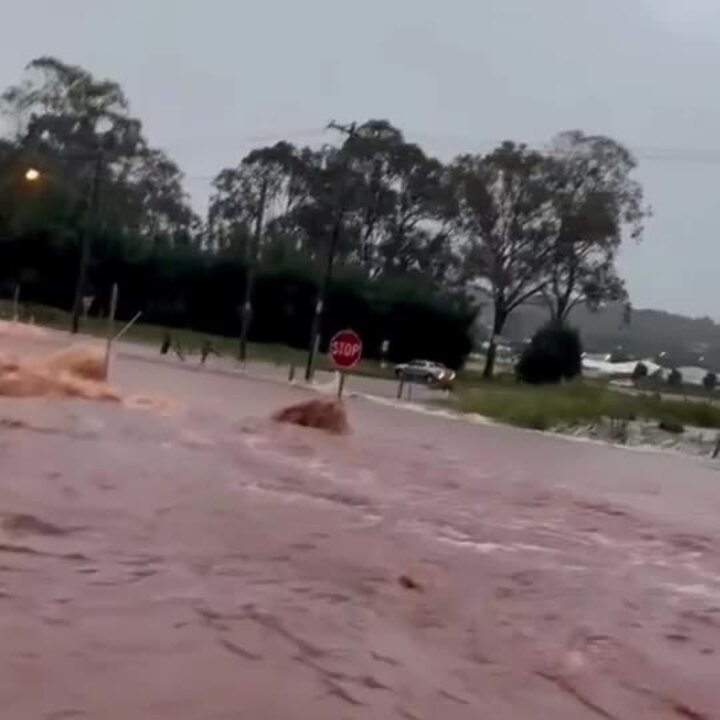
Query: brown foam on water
[75,372]
[20,329]
[328,415]
[146,402]
[81,362]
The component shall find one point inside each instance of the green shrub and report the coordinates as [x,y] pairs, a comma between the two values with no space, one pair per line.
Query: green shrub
[185,288]
[640,372]
[580,403]
[553,355]
[672,426]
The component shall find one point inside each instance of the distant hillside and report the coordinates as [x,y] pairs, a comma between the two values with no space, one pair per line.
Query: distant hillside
[684,340]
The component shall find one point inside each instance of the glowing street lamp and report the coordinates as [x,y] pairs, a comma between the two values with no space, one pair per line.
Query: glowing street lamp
[33,176]
[101,128]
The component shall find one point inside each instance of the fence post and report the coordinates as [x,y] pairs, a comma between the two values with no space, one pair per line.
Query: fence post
[16,303]
[110,327]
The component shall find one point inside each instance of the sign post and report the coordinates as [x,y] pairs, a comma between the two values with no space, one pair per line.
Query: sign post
[87,302]
[345,351]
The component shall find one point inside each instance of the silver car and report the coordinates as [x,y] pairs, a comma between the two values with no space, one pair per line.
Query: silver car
[426,371]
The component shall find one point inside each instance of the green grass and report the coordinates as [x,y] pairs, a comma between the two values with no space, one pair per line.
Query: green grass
[577,403]
[190,340]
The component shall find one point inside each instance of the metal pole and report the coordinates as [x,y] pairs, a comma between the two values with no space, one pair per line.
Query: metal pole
[341,386]
[85,242]
[253,249]
[128,326]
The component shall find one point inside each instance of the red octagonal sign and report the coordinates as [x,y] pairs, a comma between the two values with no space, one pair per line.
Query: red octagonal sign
[345,349]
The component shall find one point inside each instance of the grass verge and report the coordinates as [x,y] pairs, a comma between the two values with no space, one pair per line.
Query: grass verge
[577,403]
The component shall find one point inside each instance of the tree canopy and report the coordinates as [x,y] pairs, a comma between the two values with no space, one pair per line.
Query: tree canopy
[409,230]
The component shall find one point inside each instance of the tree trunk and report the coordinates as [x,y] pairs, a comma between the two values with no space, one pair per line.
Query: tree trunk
[557,315]
[560,310]
[499,320]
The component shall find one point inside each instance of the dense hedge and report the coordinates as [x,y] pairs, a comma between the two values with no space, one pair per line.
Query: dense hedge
[184,287]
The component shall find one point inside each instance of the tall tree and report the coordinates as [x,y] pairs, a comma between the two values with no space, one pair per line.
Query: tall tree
[394,202]
[416,222]
[275,172]
[372,152]
[597,203]
[505,217]
[325,215]
[64,118]
[255,193]
[401,202]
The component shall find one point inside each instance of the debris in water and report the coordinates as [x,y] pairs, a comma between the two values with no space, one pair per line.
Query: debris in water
[409,583]
[328,415]
[22,523]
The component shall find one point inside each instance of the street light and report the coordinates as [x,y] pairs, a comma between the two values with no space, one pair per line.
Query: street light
[85,241]
[33,175]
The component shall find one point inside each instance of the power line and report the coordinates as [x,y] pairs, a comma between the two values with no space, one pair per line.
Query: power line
[247,139]
[453,142]
[709,156]
[661,153]
[649,152]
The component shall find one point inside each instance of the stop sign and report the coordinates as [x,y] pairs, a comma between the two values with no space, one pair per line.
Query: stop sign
[345,349]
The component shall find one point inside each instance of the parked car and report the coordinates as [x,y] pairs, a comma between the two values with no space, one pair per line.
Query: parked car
[426,371]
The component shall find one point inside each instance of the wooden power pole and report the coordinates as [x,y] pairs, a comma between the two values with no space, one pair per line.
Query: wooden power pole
[339,213]
[91,217]
[250,267]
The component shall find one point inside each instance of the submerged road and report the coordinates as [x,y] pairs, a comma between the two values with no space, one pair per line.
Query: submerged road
[192,560]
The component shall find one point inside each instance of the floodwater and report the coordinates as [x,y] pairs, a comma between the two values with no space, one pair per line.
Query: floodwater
[193,560]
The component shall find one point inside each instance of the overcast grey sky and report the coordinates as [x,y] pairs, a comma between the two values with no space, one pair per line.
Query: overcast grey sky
[211,78]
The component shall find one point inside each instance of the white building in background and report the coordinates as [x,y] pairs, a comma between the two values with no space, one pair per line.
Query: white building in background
[693,375]
[600,366]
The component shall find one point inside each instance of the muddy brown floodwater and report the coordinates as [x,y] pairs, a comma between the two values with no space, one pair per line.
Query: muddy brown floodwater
[201,562]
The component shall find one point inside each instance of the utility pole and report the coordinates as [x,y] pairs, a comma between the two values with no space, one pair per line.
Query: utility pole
[86,239]
[340,208]
[251,263]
